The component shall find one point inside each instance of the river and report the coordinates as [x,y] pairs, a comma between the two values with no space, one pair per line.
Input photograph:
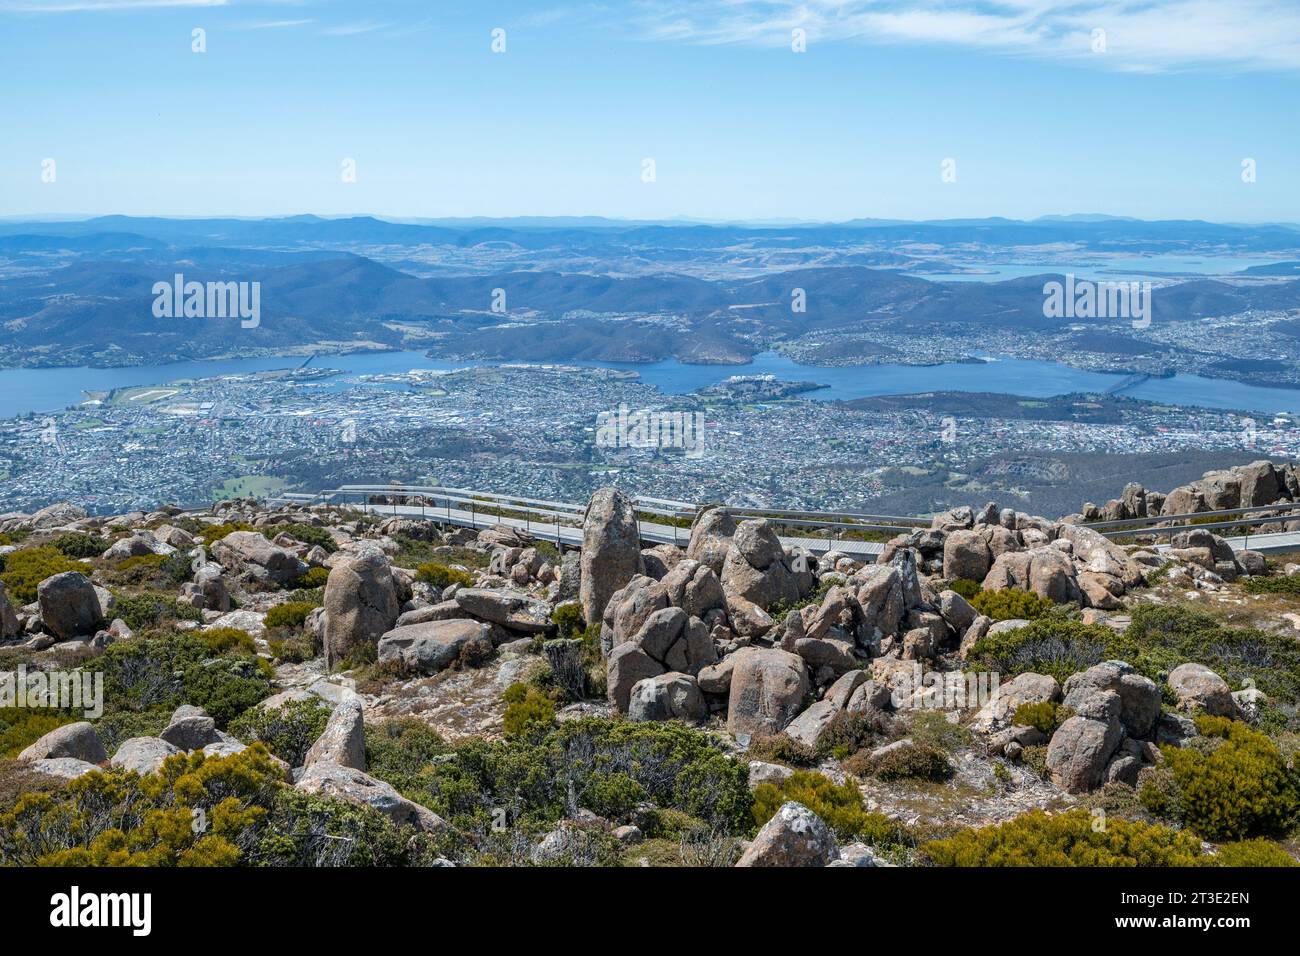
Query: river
[26,390]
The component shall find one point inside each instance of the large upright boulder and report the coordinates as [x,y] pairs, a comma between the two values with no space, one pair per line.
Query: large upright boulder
[1139,696]
[9,625]
[711,535]
[966,555]
[611,550]
[756,567]
[1260,484]
[69,605]
[1200,689]
[1084,743]
[343,741]
[768,687]
[360,603]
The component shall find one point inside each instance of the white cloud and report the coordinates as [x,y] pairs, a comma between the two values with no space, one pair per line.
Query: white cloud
[82,6]
[352,29]
[1140,35]
[274,24]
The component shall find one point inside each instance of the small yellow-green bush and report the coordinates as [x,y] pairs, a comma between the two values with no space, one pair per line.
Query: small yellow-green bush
[1007,604]
[25,569]
[310,579]
[1238,786]
[839,805]
[1044,716]
[1065,839]
[291,614]
[441,576]
[1253,853]
[528,711]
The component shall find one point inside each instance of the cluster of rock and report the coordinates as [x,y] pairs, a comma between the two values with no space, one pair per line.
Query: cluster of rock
[1115,721]
[1061,561]
[75,749]
[1245,486]
[333,767]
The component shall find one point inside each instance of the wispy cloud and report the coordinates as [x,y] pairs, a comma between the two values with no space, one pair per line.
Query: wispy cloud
[352,29]
[274,24]
[1139,35]
[83,6]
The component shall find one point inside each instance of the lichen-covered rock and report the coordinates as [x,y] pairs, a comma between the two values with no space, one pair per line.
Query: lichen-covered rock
[767,689]
[795,836]
[329,779]
[360,604]
[69,605]
[611,550]
[1199,688]
[434,645]
[78,740]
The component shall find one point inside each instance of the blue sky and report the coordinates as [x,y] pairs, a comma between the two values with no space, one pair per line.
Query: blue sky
[738,125]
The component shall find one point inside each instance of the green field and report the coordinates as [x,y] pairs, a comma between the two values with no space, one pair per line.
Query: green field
[249,486]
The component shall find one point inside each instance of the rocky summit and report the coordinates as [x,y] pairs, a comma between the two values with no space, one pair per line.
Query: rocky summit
[995,688]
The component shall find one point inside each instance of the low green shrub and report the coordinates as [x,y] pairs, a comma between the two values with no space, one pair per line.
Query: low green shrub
[163,671]
[778,748]
[534,779]
[1044,716]
[1006,604]
[1282,584]
[220,640]
[310,580]
[26,568]
[287,731]
[309,534]
[291,614]
[965,587]
[916,762]
[1049,646]
[1237,786]
[143,612]
[528,711]
[397,750]
[1065,839]
[848,733]
[441,576]
[75,544]
[1253,853]
[839,805]
[1162,636]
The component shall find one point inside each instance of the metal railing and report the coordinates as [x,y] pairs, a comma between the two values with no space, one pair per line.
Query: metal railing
[1158,526]
[552,519]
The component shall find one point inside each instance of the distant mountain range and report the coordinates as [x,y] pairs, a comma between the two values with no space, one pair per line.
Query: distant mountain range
[80,292]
